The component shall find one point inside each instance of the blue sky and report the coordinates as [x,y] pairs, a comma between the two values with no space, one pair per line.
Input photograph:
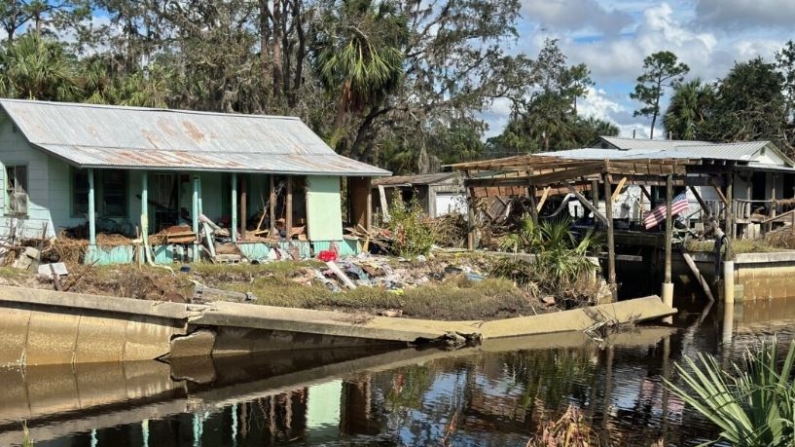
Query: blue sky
[613,36]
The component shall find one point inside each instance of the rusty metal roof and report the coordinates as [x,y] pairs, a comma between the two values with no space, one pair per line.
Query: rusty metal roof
[94,136]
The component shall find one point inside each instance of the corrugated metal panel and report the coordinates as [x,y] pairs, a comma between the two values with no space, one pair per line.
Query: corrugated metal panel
[640,143]
[746,152]
[136,138]
[726,151]
[105,157]
[419,179]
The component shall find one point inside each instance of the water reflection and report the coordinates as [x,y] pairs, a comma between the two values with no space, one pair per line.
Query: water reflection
[496,394]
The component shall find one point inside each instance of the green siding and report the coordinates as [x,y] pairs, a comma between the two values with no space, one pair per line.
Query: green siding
[324,209]
[15,150]
[122,254]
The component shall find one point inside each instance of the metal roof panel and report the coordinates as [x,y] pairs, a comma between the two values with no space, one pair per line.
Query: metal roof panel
[131,137]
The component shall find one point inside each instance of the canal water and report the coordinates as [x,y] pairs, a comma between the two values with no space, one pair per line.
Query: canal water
[496,394]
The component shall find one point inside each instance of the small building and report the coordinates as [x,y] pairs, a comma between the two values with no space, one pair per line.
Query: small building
[437,194]
[117,169]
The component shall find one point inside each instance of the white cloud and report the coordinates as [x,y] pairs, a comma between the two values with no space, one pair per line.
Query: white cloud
[742,14]
[575,15]
[699,32]
[496,117]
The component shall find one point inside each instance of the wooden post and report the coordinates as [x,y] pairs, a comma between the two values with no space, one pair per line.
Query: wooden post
[201,202]
[471,213]
[289,206]
[92,212]
[595,193]
[533,203]
[233,225]
[729,215]
[243,207]
[195,218]
[669,228]
[368,220]
[611,245]
[668,287]
[272,204]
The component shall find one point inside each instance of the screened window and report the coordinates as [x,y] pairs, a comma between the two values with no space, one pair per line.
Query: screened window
[110,193]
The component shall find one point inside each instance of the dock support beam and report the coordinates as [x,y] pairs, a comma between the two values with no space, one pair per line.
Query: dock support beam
[728,282]
[668,286]
[233,225]
[731,228]
[611,244]
[92,212]
[195,218]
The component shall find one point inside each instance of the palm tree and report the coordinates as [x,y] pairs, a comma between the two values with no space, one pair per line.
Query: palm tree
[34,67]
[688,109]
[357,52]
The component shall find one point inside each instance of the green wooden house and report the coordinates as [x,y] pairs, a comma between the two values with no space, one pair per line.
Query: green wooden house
[115,169]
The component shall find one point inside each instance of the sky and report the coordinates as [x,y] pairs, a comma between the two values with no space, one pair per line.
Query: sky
[612,37]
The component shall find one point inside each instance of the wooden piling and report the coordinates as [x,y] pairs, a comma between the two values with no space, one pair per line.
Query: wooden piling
[611,245]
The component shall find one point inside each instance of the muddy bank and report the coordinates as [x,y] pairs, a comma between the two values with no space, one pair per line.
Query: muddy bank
[445,287]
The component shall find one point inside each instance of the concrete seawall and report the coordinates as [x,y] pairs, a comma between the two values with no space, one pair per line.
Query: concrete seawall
[43,327]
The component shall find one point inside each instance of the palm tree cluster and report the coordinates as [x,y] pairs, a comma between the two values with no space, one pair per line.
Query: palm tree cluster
[754,101]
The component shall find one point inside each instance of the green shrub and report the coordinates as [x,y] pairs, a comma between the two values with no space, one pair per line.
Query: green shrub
[753,405]
[411,233]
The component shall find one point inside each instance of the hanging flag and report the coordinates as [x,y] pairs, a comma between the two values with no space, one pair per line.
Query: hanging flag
[657,215]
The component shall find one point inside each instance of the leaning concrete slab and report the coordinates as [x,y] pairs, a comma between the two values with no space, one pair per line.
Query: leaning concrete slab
[622,312]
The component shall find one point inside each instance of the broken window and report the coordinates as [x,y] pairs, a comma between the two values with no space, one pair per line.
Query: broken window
[16,189]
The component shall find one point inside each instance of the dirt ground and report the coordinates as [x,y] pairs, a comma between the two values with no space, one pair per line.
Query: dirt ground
[449,288]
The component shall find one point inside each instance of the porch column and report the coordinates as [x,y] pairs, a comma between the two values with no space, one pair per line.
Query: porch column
[145,201]
[195,218]
[289,206]
[201,204]
[271,205]
[668,286]
[233,226]
[92,218]
[243,206]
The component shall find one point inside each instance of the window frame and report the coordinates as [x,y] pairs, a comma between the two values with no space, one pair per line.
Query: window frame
[10,189]
[100,193]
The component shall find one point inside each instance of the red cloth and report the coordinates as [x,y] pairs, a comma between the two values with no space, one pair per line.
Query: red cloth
[327,255]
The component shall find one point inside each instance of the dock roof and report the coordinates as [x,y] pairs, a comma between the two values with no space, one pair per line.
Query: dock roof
[98,136]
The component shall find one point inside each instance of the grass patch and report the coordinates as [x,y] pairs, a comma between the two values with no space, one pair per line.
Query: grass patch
[454,299]
[738,246]
[294,284]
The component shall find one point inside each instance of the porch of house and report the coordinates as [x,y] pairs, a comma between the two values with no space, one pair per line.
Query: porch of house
[249,217]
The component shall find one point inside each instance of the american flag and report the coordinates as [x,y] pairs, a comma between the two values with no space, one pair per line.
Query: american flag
[657,215]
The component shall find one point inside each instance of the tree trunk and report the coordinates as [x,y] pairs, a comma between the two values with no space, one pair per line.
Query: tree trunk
[300,52]
[653,120]
[264,36]
[277,48]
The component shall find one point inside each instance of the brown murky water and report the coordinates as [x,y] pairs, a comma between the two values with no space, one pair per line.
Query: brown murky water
[492,395]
